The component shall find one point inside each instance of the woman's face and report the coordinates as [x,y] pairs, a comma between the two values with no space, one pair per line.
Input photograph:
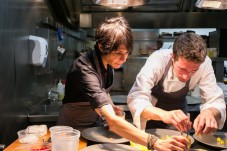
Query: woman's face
[116,58]
[184,69]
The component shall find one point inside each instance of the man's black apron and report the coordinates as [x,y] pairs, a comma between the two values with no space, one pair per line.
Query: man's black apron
[80,115]
[168,101]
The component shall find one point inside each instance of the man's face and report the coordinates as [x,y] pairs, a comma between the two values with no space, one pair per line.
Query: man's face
[184,69]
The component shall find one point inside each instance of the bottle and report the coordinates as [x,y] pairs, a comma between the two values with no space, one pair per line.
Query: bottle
[61,90]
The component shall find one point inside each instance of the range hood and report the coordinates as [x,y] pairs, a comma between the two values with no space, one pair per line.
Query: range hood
[119,4]
[212,4]
[139,13]
[135,5]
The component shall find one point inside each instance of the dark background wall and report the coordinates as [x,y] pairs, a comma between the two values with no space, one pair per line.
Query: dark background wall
[22,85]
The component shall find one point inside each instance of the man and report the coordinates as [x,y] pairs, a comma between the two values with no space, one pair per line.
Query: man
[159,92]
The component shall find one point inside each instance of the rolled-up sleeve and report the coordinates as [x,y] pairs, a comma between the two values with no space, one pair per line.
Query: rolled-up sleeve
[136,106]
[140,96]
[211,94]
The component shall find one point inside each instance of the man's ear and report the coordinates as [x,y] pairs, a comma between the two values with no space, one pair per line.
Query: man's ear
[172,56]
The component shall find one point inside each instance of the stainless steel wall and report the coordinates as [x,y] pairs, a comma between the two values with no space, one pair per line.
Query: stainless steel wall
[21,84]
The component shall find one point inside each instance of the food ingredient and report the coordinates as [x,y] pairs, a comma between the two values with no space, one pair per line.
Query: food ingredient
[221,141]
[42,149]
[138,146]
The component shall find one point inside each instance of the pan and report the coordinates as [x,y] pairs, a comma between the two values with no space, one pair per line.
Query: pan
[213,140]
[109,147]
[101,135]
[163,133]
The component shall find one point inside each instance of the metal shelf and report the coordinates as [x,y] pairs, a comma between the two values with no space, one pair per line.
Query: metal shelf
[219,59]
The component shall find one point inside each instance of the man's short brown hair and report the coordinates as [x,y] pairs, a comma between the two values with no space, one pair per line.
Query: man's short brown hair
[191,47]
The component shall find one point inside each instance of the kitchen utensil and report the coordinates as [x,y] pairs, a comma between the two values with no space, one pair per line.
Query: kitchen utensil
[100,134]
[211,139]
[163,133]
[110,147]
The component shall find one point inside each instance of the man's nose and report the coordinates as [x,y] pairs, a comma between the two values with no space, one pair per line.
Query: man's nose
[186,76]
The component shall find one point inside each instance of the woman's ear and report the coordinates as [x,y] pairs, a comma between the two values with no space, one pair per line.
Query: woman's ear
[100,47]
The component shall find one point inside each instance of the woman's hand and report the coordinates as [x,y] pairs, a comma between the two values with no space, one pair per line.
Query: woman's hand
[176,143]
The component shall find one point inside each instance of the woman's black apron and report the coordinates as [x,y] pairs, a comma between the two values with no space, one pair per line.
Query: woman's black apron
[80,115]
[168,101]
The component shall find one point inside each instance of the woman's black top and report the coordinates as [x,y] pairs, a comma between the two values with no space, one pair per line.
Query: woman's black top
[86,83]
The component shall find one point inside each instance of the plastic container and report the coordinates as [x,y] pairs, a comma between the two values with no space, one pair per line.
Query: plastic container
[61,90]
[24,137]
[59,128]
[65,140]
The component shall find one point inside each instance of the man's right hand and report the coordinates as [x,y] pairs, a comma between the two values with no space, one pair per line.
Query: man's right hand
[178,119]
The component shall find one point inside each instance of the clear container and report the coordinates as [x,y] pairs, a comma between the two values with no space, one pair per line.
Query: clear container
[24,137]
[65,140]
[59,128]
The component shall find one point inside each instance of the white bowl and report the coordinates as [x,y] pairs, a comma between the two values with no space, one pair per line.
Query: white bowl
[27,137]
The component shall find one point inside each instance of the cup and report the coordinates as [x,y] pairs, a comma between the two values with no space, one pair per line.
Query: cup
[59,128]
[65,140]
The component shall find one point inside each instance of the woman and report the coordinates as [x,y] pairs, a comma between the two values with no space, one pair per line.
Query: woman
[89,82]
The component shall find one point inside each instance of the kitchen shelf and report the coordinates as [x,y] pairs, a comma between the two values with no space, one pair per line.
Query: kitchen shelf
[219,59]
[218,65]
[169,39]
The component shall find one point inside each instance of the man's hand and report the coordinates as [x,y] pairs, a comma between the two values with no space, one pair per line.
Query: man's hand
[206,122]
[178,119]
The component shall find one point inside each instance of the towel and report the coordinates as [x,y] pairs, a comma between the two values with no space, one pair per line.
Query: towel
[37,129]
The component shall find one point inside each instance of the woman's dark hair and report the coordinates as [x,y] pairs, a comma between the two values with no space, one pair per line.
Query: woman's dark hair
[112,33]
[191,47]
